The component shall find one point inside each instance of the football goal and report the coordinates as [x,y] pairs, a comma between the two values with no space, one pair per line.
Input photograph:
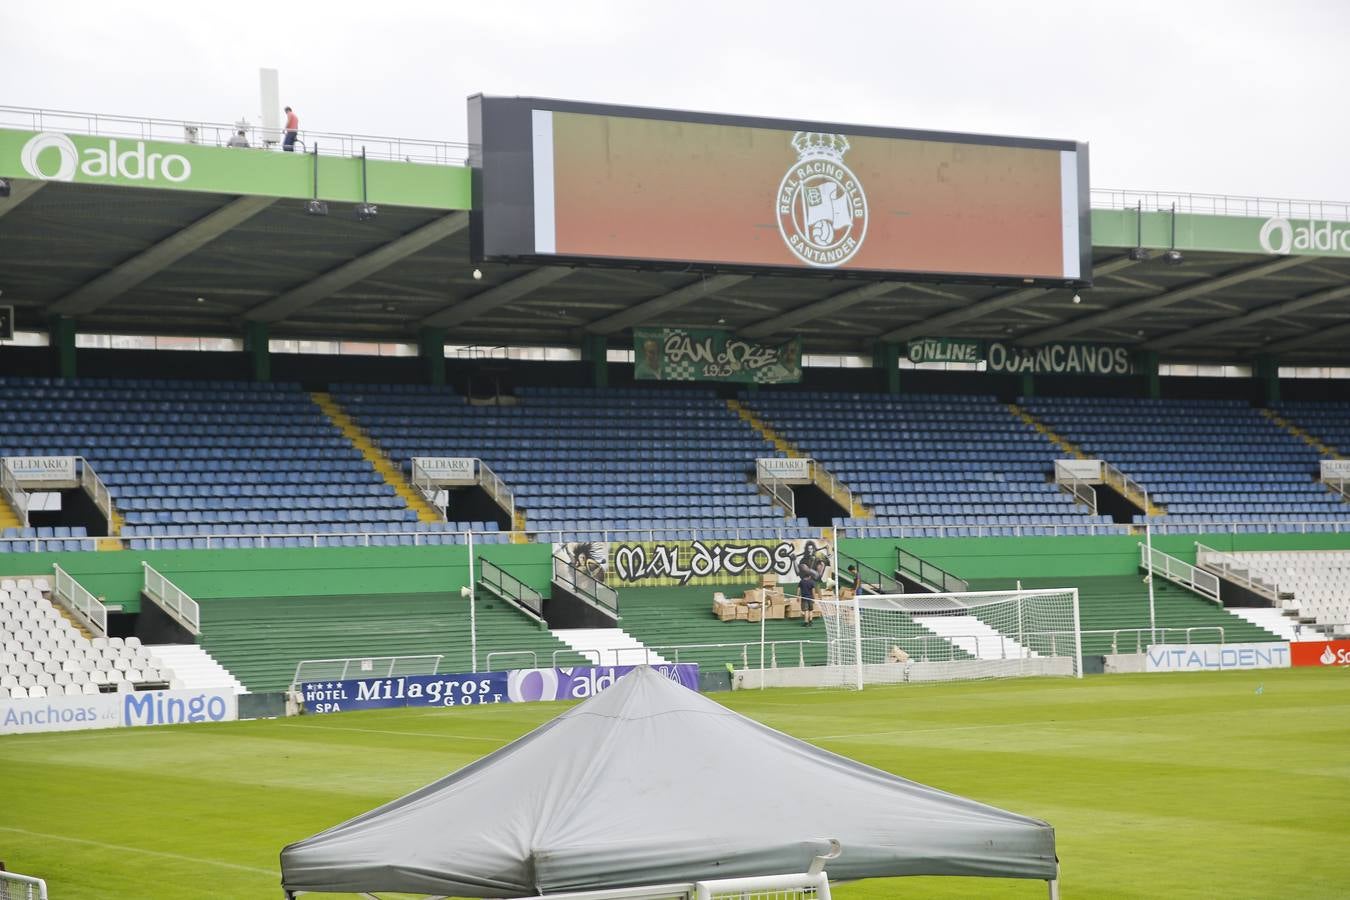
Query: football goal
[893,638]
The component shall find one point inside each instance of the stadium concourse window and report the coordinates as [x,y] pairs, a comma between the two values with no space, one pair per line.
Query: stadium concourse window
[836,361]
[28,339]
[529,354]
[157,342]
[1314,372]
[342,348]
[619,356]
[1203,370]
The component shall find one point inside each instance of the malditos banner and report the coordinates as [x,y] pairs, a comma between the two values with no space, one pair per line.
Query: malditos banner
[1320,653]
[117,710]
[695,562]
[476,689]
[709,354]
[1214,657]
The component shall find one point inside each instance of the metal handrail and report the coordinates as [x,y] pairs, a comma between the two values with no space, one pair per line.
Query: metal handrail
[586,586]
[778,492]
[534,658]
[928,573]
[1230,568]
[97,490]
[429,490]
[511,588]
[18,498]
[1206,584]
[886,584]
[218,134]
[497,489]
[73,595]
[1220,204]
[837,491]
[1125,485]
[173,598]
[1081,491]
[393,665]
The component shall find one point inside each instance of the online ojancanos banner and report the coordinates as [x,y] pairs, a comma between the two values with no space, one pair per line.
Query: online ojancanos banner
[709,354]
[1216,657]
[477,689]
[117,710]
[698,562]
[631,184]
[1320,653]
[1046,359]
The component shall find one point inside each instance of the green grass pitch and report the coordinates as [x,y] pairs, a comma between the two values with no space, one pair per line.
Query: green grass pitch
[1191,785]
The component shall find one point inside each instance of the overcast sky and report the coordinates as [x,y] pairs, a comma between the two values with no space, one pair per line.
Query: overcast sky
[1231,97]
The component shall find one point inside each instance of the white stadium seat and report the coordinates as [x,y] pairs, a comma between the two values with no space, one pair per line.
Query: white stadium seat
[73,690]
[90,689]
[37,691]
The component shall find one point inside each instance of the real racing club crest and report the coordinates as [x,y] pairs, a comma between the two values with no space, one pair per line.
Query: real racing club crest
[822,211]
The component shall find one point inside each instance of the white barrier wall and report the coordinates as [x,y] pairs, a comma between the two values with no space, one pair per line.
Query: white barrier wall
[117,710]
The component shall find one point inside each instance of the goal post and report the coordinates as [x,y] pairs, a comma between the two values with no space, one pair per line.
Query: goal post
[895,638]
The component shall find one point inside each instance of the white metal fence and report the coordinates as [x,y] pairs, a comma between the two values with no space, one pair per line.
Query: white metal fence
[1238,571]
[1220,204]
[351,667]
[73,595]
[173,599]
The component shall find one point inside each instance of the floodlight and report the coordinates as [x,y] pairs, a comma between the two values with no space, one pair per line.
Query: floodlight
[366,211]
[4,187]
[1173,258]
[1138,254]
[477,274]
[1077,298]
[316,208]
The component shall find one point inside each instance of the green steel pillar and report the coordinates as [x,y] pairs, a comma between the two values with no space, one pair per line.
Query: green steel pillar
[1266,371]
[256,339]
[595,351]
[1028,385]
[431,347]
[62,331]
[1146,363]
[886,358]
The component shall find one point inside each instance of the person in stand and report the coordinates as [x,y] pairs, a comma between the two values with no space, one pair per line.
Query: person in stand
[238,139]
[806,591]
[854,582]
[292,130]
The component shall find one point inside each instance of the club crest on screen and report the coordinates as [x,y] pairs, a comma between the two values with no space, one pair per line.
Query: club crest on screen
[822,210]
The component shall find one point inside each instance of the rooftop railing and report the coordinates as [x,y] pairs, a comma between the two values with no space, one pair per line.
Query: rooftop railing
[218,134]
[1221,204]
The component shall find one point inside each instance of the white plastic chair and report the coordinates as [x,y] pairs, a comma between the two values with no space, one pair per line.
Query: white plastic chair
[100,643]
[116,643]
[133,641]
[43,585]
[89,689]
[37,692]
[73,690]
[45,679]
[18,693]
[125,687]
[134,675]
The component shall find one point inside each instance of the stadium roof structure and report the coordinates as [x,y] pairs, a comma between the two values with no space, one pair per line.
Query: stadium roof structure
[187,238]
[650,783]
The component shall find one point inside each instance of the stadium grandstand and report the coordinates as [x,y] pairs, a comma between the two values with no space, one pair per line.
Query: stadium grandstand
[264,408]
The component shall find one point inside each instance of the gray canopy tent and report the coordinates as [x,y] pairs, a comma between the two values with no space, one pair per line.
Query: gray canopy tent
[651,783]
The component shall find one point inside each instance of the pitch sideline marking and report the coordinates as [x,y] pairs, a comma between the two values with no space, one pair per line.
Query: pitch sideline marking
[125,849]
[451,737]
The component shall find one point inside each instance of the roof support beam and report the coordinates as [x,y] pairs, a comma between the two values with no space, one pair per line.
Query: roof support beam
[358,269]
[1334,333]
[122,278]
[933,326]
[703,287]
[20,189]
[494,297]
[1274,310]
[815,310]
[1167,298]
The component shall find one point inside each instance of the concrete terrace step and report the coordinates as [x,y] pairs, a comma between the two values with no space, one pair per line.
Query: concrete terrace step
[608,646]
[196,669]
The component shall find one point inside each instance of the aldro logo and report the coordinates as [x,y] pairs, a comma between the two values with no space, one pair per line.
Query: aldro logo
[1282,237]
[52,156]
[822,211]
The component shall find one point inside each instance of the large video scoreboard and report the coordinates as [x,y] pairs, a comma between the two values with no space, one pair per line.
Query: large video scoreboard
[563,182]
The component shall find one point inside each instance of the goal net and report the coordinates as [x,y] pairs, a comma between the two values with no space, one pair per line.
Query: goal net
[893,638]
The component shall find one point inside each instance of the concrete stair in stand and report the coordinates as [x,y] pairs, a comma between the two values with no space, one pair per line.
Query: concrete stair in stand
[975,637]
[614,646]
[1276,622]
[195,669]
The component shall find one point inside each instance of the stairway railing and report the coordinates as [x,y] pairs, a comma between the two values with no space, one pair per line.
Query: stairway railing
[1241,573]
[82,604]
[586,586]
[511,589]
[924,572]
[1206,584]
[18,498]
[886,584]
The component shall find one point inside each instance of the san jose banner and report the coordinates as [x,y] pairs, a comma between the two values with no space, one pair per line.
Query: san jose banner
[698,562]
[478,688]
[710,354]
[1046,359]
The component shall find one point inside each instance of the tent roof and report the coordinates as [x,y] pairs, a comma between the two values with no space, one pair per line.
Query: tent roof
[647,783]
